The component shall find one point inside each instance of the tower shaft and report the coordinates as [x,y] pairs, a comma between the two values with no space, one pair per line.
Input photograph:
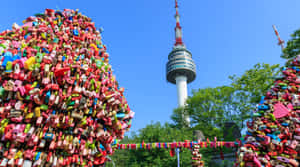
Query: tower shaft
[181,83]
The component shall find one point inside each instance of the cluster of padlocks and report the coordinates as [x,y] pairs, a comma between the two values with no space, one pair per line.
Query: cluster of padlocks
[197,156]
[273,134]
[60,104]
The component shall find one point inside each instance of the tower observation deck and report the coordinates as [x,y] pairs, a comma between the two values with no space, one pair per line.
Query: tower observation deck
[181,68]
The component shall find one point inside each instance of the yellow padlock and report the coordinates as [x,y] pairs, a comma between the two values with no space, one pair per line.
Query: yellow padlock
[37,111]
[29,62]
[41,135]
[29,115]
[1,130]
[18,154]
[94,113]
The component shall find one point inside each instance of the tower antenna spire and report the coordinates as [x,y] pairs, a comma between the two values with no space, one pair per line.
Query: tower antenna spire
[280,41]
[178,30]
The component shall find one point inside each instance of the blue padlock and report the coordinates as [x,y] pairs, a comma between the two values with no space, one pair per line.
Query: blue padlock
[296,68]
[48,94]
[7,57]
[75,32]
[274,137]
[262,100]
[259,139]
[45,50]
[120,115]
[34,23]
[95,101]
[262,127]
[256,114]
[102,147]
[49,136]
[38,156]
[263,107]
[59,13]
[16,57]
[91,110]
[26,36]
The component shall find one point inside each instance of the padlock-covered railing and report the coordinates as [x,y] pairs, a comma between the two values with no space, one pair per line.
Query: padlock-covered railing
[184,144]
[194,146]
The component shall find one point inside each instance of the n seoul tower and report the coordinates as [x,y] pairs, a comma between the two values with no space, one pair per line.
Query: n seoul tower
[181,68]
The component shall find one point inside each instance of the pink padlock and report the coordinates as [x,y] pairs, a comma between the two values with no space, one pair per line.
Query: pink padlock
[29,154]
[21,137]
[35,139]
[17,119]
[293,144]
[17,129]
[39,121]
[297,131]
[19,162]
[51,99]
[30,132]
[37,100]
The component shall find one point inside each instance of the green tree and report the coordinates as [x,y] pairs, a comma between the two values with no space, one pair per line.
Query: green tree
[251,86]
[209,108]
[293,46]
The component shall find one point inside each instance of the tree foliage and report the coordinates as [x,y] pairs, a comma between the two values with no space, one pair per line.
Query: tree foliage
[209,108]
[255,82]
[251,86]
[212,107]
[293,46]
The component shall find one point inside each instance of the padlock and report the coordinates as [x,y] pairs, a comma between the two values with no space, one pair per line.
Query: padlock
[42,143]
[19,162]
[54,164]
[27,163]
[21,137]
[52,99]
[4,162]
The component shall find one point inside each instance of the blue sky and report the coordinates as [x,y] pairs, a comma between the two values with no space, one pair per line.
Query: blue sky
[225,37]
